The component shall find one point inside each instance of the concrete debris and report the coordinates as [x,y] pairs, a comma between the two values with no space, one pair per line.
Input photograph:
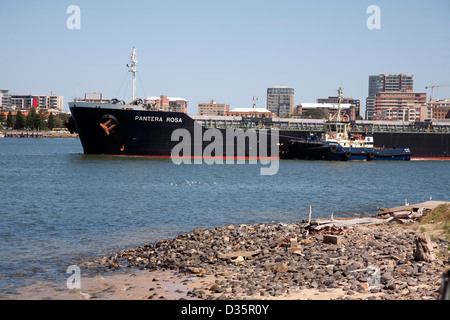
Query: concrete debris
[408,213]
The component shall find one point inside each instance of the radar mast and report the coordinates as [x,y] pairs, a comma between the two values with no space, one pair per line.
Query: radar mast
[133,69]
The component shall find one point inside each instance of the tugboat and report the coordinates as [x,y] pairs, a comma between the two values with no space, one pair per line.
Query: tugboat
[338,142]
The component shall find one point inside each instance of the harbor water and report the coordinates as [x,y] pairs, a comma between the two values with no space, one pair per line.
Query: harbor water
[59,207]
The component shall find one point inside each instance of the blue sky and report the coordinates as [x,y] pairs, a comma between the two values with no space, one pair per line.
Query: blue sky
[228,51]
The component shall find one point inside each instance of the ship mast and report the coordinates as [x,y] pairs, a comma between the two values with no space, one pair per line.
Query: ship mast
[133,69]
[339,104]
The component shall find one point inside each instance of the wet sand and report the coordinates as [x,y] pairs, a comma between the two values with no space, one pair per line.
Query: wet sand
[154,285]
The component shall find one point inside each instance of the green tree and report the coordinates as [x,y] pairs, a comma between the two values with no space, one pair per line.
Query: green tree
[30,121]
[41,124]
[10,121]
[51,121]
[61,119]
[2,117]
[20,121]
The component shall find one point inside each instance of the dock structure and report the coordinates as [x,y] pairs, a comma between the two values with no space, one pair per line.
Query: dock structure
[24,134]
[39,134]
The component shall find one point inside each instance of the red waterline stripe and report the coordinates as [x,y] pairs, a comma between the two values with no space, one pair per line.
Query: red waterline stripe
[430,158]
[197,157]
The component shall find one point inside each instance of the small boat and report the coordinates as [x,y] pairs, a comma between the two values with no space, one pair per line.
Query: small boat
[339,142]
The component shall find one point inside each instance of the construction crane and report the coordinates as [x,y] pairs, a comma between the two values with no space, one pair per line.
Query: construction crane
[435,86]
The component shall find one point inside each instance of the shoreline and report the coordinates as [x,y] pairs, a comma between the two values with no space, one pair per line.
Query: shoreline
[267,261]
[37,134]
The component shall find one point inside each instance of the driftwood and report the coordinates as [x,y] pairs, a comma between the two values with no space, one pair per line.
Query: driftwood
[342,222]
[402,214]
[236,254]
[424,249]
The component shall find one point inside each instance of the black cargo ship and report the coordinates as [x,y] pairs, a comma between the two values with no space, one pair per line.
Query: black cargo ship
[121,129]
[137,129]
[117,129]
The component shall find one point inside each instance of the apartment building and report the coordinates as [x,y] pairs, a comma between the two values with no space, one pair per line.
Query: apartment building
[280,100]
[165,103]
[213,108]
[386,83]
[28,101]
[400,105]
[440,108]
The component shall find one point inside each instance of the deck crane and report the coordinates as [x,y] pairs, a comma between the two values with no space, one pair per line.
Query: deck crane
[435,86]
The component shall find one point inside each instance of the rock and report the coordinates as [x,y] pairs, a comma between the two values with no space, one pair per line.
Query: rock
[199,231]
[333,239]
[281,267]
[424,249]
[316,260]
[197,270]
[386,276]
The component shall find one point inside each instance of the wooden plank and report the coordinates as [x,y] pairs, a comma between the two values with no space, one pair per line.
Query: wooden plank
[235,254]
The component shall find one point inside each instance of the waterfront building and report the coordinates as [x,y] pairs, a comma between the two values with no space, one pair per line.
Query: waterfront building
[213,108]
[335,100]
[440,108]
[386,83]
[251,112]
[411,114]
[280,100]
[28,101]
[5,98]
[401,105]
[165,103]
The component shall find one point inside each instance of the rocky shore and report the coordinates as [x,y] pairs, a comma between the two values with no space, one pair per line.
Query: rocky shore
[285,260]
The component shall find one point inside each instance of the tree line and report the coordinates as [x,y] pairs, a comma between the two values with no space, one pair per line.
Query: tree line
[33,121]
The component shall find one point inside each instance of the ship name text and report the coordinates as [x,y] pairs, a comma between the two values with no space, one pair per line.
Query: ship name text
[158,119]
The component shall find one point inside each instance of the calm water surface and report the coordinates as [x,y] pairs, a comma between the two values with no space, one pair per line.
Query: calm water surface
[59,206]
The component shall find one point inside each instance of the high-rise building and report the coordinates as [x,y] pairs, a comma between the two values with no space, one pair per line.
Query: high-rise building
[213,108]
[280,100]
[386,83]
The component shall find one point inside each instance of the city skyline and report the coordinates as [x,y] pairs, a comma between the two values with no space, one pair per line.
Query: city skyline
[228,52]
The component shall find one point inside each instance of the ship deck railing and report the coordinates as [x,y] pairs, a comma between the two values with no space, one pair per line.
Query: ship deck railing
[317,125]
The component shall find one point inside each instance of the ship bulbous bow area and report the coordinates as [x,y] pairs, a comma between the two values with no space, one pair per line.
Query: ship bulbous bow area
[70,125]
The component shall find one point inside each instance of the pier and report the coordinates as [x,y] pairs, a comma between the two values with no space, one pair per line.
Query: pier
[38,134]
[24,134]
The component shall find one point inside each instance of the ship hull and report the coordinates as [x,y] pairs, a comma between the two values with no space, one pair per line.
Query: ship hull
[153,134]
[423,145]
[149,133]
